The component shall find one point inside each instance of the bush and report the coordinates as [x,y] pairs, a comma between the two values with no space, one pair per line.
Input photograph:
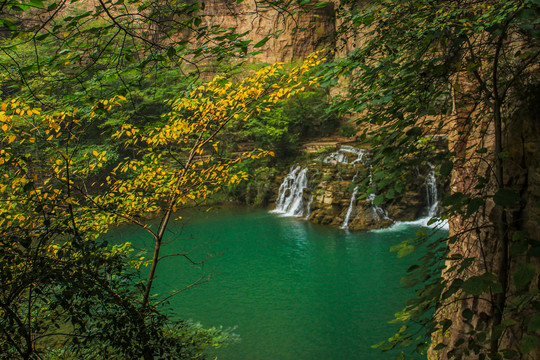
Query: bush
[347,130]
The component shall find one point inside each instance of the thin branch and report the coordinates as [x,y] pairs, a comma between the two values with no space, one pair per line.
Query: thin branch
[203,279]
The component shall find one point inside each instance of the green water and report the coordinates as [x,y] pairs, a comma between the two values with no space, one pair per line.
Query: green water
[293,290]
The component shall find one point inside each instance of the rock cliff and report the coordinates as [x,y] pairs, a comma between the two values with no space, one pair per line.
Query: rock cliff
[293,34]
[500,241]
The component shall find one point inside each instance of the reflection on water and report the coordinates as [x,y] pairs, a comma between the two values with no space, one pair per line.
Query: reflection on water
[293,289]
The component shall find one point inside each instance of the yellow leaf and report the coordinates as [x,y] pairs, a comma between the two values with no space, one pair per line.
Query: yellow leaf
[4,106]
[71,201]
[29,112]
[95,153]
[5,127]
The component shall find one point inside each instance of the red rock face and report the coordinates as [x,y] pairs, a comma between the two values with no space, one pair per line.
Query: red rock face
[293,35]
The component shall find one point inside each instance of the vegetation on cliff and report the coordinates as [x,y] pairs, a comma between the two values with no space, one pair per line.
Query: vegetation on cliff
[467,69]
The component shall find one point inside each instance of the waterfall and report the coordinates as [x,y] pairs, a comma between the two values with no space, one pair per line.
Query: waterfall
[346,154]
[345,224]
[378,211]
[432,203]
[290,201]
[431,191]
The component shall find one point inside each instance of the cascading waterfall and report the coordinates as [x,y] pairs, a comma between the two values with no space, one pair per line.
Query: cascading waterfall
[378,211]
[295,197]
[432,198]
[290,201]
[343,156]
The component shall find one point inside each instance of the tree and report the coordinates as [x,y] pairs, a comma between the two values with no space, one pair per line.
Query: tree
[130,39]
[466,69]
[58,271]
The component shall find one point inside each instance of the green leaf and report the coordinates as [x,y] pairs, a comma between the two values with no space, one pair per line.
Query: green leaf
[42,36]
[528,343]
[534,323]
[506,197]
[518,235]
[508,322]
[405,250]
[446,323]
[509,353]
[261,43]
[171,52]
[378,199]
[519,248]
[414,131]
[440,346]
[467,314]
[446,168]
[504,154]
[7,23]
[453,199]
[523,275]
[475,285]
[36,3]
[474,205]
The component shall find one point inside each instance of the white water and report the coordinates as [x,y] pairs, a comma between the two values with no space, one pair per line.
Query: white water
[346,154]
[345,224]
[433,204]
[379,212]
[290,201]
[431,191]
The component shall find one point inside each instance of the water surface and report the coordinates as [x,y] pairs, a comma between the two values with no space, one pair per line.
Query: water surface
[292,289]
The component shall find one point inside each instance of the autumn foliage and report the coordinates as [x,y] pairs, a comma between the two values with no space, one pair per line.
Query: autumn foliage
[63,284]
